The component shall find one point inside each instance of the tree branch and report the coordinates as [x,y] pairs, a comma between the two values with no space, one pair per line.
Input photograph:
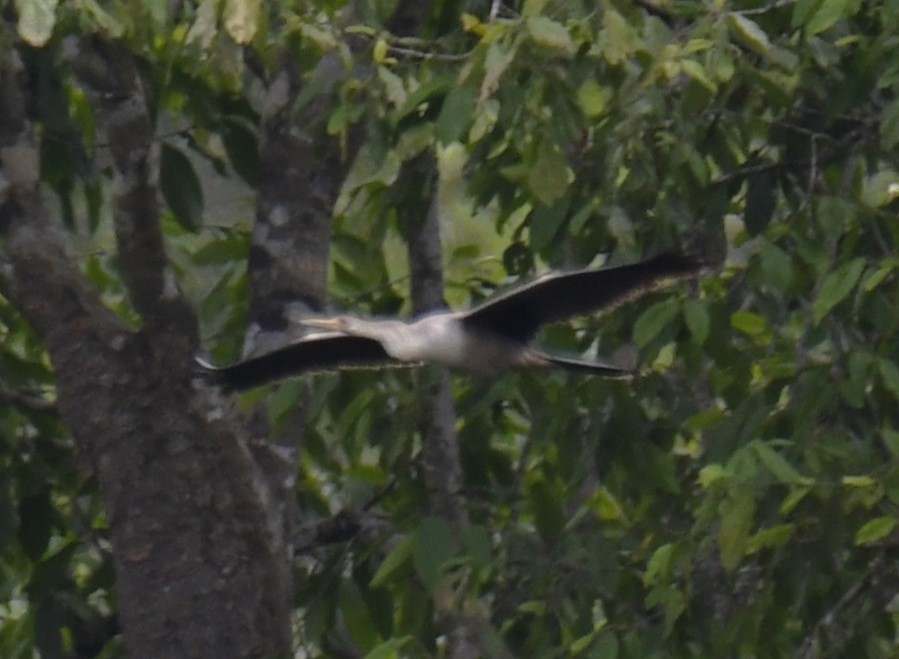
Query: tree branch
[109,71]
[836,628]
[440,451]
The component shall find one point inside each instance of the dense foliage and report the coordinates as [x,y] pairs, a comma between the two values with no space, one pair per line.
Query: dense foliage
[738,498]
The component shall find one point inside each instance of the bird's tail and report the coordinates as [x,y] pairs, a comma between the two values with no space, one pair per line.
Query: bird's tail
[228,378]
[602,369]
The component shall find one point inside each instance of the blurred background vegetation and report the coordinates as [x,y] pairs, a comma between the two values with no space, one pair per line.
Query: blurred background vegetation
[737,499]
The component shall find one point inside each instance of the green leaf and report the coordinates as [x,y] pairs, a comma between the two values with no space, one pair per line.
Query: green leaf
[826,16]
[606,646]
[398,558]
[794,498]
[802,10]
[891,441]
[661,564]
[696,71]
[889,124]
[606,506]
[751,324]
[545,223]
[619,40]
[477,544]
[880,189]
[696,316]
[181,187]
[36,21]
[390,649]
[876,529]
[777,465]
[456,114]
[711,475]
[777,267]
[549,514]
[550,34]
[770,538]
[241,19]
[533,7]
[761,200]
[749,34]
[837,285]
[434,547]
[876,278]
[549,176]
[593,99]
[854,387]
[652,321]
[889,375]
[737,514]
[241,145]
[858,481]
[495,64]
[231,248]
[357,616]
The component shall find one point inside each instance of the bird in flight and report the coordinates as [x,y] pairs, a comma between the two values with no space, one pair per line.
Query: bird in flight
[492,337]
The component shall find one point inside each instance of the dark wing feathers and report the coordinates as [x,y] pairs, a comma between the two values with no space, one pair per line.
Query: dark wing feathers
[316,352]
[519,313]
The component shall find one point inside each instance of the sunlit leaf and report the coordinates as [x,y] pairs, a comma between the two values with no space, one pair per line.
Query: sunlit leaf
[550,34]
[880,189]
[696,71]
[619,40]
[549,176]
[875,530]
[661,564]
[749,34]
[749,323]
[592,99]
[772,537]
[36,20]
[711,475]
[737,515]
[242,19]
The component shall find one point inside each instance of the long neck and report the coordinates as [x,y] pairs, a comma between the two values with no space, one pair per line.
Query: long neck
[397,337]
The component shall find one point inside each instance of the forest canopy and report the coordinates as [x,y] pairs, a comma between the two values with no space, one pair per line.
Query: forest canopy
[191,177]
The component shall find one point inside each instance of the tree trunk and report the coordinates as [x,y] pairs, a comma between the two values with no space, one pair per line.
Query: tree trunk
[200,571]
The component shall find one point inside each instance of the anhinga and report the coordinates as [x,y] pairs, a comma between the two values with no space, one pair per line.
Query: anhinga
[490,338]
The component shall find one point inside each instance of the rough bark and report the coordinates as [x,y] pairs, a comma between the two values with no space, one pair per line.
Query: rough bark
[199,570]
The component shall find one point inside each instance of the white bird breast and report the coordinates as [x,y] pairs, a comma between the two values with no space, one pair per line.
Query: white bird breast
[443,339]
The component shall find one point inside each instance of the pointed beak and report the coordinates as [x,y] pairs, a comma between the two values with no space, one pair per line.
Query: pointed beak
[332,324]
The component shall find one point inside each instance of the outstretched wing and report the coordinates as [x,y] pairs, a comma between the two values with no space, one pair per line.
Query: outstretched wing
[520,313]
[317,352]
